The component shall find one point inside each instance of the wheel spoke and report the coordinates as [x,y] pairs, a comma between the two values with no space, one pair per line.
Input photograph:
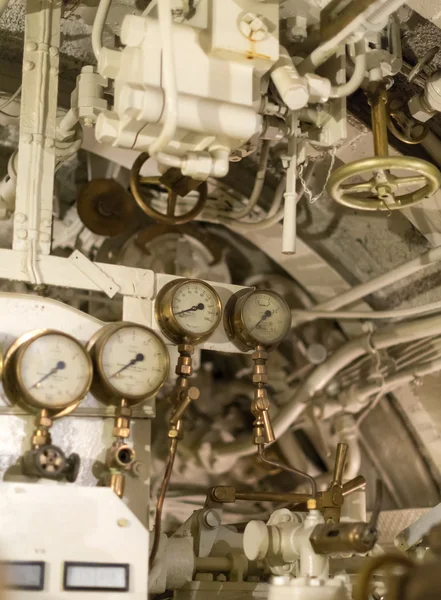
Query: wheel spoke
[150,180]
[407,181]
[354,188]
[171,204]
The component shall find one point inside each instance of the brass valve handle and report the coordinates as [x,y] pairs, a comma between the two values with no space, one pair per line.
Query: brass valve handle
[175,189]
[380,191]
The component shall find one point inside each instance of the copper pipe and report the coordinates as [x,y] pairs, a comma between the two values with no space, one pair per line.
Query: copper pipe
[161,498]
[279,465]
[286,498]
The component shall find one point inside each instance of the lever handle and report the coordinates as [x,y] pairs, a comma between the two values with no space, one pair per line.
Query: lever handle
[377,506]
[356,484]
[339,465]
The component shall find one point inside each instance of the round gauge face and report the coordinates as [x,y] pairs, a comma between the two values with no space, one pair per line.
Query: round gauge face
[54,371]
[134,362]
[195,307]
[266,317]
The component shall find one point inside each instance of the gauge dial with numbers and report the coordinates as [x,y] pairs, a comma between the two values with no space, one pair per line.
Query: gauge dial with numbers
[188,310]
[47,369]
[131,363]
[255,318]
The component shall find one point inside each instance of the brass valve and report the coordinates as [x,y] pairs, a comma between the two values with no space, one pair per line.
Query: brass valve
[381,191]
[263,430]
[329,502]
[46,460]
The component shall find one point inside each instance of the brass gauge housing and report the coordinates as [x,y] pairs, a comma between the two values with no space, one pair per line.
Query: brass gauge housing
[131,363]
[188,311]
[257,318]
[47,370]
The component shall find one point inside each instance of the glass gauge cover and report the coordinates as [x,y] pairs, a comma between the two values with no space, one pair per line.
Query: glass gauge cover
[188,310]
[47,369]
[261,317]
[266,317]
[132,362]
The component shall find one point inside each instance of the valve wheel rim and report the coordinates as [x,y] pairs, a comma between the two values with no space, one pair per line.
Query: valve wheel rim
[170,218]
[427,174]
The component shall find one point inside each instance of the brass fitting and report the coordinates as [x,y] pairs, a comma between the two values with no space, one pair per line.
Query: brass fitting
[120,456]
[117,482]
[123,411]
[311,504]
[41,437]
[121,428]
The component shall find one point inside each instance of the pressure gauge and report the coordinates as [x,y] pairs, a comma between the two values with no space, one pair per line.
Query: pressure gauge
[188,310]
[47,369]
[257,318]
[131,363]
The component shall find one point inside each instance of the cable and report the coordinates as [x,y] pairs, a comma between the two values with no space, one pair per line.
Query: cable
[10,100]
[98,26]
[400,313]
[161,498]
[257,189]
[274,215]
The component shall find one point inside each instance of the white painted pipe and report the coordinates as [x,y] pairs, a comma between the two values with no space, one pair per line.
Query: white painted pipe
[432,145]
[292,88]
[202,115]
[3,5]
[290,215]
[169,77]
[351,86]
[369,287]
[98,27]
[323,374]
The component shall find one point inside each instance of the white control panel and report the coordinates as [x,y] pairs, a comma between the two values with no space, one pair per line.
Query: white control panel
[63,541]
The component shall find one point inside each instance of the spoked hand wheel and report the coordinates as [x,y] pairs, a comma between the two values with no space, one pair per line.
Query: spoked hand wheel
[145,204]
[405,128]
[382,191]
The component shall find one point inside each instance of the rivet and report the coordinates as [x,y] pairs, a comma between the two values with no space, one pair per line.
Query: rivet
[47,222]
[31,46]
[44,237]
[20,217]
[49,142]
[53,51]
[123,522]
[54,71]
[27,138]
[28,65]
[22,234]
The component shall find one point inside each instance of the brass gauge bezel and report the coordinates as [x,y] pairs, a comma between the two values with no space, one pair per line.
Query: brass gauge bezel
[101,387]
[167,321]
[13,384]
[234,321]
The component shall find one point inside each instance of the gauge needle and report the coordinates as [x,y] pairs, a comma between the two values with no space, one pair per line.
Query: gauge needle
[266,314]
[59,367]
[138,358]
[199,306]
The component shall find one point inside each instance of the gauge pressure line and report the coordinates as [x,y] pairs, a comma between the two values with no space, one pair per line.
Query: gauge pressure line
[138,358]
[59,367]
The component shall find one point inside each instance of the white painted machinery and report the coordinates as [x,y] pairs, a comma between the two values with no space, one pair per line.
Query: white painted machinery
[172,293]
